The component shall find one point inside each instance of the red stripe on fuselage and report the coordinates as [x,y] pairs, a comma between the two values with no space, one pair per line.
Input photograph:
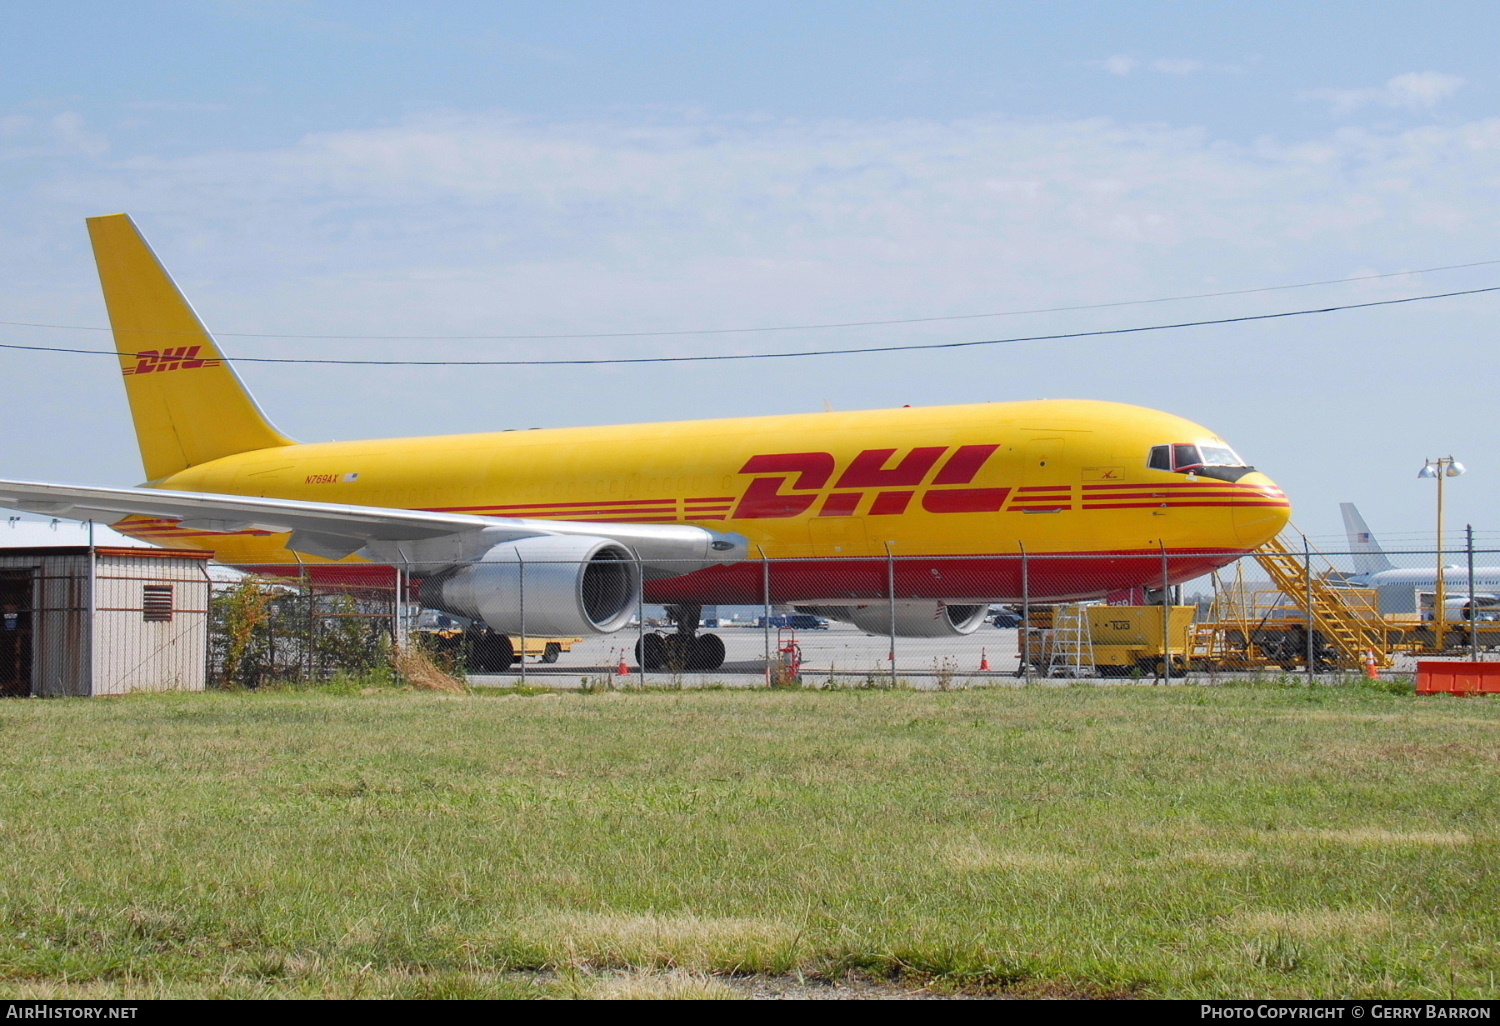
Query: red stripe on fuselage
[1182,505]
[558,505]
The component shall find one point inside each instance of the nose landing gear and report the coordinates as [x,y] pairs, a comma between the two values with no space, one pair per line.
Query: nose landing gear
[685,649]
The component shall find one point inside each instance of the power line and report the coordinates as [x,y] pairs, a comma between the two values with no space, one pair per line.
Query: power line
[802,353]
[780,327]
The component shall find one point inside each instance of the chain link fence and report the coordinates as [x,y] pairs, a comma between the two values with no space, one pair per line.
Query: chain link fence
[935,622]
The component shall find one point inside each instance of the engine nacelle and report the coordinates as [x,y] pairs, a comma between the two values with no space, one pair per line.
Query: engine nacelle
[914,619]
[573,585]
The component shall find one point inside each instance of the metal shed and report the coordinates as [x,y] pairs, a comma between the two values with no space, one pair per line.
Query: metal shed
[81,620]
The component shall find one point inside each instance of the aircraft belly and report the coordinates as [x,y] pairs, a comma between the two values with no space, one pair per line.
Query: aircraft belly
[1055,578]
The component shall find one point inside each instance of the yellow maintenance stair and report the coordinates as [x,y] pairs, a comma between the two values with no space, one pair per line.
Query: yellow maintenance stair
[1327,607]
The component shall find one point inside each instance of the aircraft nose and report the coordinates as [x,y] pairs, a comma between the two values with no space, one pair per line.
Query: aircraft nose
[1260,511]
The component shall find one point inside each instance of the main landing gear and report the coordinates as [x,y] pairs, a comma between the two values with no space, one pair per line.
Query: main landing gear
[684,650]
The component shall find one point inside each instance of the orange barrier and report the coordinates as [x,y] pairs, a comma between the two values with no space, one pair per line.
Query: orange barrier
[1457,678]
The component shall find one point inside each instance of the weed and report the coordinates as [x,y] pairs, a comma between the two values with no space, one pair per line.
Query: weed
[943,671]
[1279,953]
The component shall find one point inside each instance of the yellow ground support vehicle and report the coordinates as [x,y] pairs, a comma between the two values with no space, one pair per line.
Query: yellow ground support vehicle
[484,651]
[1128,638]
[1108,641]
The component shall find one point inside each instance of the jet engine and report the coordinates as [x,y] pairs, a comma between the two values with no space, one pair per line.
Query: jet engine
[914,619]
[548,586]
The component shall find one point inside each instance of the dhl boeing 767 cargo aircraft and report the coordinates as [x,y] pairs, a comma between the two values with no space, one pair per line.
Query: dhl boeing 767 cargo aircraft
[827,509]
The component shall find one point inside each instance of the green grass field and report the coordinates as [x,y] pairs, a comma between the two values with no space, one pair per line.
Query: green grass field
[1129,840]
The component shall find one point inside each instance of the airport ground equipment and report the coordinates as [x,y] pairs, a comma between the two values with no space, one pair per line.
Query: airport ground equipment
[1458,678]
[1071,651]
[1337,624]
[482,650]
[788,670]
[1089,639]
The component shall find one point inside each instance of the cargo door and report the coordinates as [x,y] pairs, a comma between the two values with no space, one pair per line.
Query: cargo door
[1047,476]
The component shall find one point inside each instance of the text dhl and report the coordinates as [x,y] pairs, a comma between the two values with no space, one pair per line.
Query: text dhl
[786,495]
[175,358]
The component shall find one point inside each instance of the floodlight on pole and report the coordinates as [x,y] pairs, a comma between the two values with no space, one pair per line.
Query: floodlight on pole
[1440,468]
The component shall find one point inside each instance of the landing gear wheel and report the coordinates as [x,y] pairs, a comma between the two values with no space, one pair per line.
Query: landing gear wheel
[708,652]
[551,652]
[491,653]
[651,652]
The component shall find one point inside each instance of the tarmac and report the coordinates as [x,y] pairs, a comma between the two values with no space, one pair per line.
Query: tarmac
[842,655]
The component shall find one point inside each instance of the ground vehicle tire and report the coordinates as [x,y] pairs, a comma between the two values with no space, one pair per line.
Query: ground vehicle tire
[1157,667]
[552,651]
[490,653]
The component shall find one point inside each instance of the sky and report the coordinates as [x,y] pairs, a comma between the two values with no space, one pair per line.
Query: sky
[567,168]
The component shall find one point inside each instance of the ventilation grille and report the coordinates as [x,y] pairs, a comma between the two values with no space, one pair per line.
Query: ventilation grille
[156,603]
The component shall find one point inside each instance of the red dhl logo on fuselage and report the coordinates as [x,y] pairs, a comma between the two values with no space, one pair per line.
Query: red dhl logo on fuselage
[801,477]
[792,484]
[150,361]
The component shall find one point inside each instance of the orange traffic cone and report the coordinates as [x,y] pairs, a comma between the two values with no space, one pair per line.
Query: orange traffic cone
[624,670]
[1371,670]
[984,659]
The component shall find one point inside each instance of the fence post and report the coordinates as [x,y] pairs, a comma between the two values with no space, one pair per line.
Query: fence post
[890,577]
[521,654]
[1473,613]
[396,645]
[93,598]
[309,601]
[1308,603]
[640,621]
[1216,611]
[765,594]
[1166,615]
[401,602]
[1023,636]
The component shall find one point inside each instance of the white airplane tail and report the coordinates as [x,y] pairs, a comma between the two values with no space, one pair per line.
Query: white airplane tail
[1369,557]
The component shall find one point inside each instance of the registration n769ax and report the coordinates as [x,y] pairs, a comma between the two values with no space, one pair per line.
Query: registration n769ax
[942,501]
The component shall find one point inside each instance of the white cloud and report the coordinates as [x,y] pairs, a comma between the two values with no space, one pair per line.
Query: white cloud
[1415,91]
[61,136]
[177,106]
[1177,67]
[1420,90]
[1123,64]
[67,129]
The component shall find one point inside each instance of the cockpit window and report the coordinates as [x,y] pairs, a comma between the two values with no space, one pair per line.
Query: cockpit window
[1216,461]
[1185,457]
[1220,456]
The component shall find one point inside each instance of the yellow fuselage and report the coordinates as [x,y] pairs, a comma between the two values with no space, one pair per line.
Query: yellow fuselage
[1048,476]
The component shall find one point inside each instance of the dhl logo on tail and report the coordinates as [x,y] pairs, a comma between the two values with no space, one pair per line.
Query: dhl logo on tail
[151,361]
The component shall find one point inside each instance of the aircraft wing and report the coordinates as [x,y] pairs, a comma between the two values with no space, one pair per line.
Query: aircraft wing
[386,535]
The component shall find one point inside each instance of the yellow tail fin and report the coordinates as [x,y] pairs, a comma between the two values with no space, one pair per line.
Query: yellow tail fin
[189,405]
